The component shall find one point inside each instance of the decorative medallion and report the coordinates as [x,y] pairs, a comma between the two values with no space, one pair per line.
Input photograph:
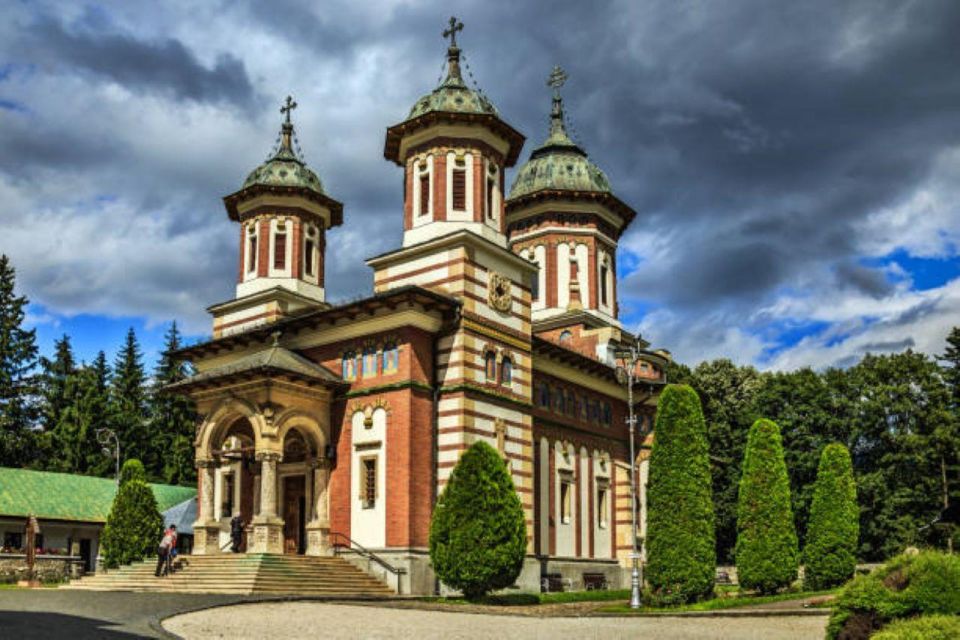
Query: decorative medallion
[498,292]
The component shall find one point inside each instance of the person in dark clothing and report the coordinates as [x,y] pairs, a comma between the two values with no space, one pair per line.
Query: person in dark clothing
[167,543]
[236,533]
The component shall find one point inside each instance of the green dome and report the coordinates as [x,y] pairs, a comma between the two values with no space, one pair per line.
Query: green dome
[558,164]
[284,168]
[453,95]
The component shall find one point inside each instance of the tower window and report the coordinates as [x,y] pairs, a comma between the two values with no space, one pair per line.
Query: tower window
[491,366]
[603,284]
[506,372]
[535,284]
[251,249]
[459,187]
[424,193]
[491,185]
[308,256]
[280,249]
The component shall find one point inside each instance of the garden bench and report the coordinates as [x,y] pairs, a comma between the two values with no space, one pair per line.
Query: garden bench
[595,581]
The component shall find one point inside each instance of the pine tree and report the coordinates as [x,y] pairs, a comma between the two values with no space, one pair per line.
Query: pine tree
[173,417]
[134,525]
[766,551]
[128,401]
[53,380]
[99,464]
[680,545]
[952,370]
[78,449]
[478,534]
[18,355]
[830,555]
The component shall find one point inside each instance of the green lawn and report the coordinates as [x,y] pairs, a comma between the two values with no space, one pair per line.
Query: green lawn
[727,598]
[730,601]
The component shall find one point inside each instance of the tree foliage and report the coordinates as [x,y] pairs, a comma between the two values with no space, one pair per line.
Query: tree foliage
[905,587]
[128,403]
[172,417]
[18,357]
[478,535]
[134,526]
[766,552]
[830,555]
[681,552]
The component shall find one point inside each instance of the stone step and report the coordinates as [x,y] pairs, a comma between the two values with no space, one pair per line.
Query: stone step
[243,574]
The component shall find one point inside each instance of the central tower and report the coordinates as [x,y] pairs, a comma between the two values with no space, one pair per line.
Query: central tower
[453,148]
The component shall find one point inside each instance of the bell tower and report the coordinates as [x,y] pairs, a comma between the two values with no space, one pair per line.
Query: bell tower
[453,148]
[283,213]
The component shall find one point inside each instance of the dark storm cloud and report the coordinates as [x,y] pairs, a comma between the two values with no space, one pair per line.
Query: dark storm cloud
[872,282]
[160,65]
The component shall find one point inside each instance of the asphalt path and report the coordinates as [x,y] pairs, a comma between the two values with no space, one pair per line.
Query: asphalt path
[26,614]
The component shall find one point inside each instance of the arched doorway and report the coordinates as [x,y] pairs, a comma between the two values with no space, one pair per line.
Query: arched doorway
[236,479]
[294,471]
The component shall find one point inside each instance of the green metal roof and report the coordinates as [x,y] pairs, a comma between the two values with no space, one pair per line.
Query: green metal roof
[64,496]
[559,163]
[453,95]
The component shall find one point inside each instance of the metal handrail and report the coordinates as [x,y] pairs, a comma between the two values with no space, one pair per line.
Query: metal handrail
[341,541]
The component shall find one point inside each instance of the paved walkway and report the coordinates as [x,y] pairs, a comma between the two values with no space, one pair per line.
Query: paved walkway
[30,614]
[351,622]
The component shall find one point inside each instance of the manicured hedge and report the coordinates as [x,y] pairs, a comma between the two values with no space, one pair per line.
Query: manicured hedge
[937,627]
[766,552]
[134,525]
[833,529]
[681,553]
[478,535]
[905,587]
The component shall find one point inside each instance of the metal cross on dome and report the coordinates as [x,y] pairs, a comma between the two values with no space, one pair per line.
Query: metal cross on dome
[288,107]
[557,77]
[455,25]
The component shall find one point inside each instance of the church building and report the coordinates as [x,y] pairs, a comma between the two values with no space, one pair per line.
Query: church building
[330,426]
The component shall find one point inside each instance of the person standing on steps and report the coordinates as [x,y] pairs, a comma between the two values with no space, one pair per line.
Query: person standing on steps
[236,533]
[167,543]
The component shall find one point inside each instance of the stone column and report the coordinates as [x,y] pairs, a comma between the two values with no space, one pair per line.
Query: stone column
[318,529]
[206,529]
[267,526]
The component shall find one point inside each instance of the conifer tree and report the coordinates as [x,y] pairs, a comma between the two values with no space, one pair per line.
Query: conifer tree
[173,417]
[766,552]
[53,381]
[134,526]
[681,550]
[128,401]
[78,449]
[478,534]
[830,554]
[18,356]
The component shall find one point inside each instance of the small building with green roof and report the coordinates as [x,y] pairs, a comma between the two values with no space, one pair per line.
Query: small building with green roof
[71,509]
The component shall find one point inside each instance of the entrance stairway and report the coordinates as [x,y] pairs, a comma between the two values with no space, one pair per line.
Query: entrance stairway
[243,574]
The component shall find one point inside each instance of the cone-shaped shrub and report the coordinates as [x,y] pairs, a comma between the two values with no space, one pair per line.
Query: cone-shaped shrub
[681,553]
[766,552]
[478,535]
[833,531]
[134,526]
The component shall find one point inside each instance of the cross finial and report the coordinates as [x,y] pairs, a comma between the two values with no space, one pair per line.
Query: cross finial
[455,25]
[289,106]
[557,77]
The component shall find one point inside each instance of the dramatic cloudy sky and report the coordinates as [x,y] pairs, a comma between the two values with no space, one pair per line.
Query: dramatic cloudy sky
[795,165]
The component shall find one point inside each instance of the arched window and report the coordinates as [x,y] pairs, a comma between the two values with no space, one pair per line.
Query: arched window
[391,358]
[349,366]
[565,336]
[369,361]
[506,371]
[543,398]
[310,252]
[252,248]
[491,366]
[558,396]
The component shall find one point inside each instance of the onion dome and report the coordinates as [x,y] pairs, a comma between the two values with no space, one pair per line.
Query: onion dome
[453,95]
[285,168]
[559,164]
[452,102]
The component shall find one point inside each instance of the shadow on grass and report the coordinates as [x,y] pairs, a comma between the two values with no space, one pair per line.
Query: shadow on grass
[31,625]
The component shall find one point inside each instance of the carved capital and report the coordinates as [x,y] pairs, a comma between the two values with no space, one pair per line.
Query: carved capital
[268,456]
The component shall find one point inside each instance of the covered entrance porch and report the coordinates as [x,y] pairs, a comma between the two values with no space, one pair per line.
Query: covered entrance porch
[263,453]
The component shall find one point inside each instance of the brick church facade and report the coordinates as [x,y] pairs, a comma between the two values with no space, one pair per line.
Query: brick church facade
[496,320]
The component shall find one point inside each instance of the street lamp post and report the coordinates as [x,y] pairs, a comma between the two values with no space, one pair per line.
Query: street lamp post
[104,437]
[627,374]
